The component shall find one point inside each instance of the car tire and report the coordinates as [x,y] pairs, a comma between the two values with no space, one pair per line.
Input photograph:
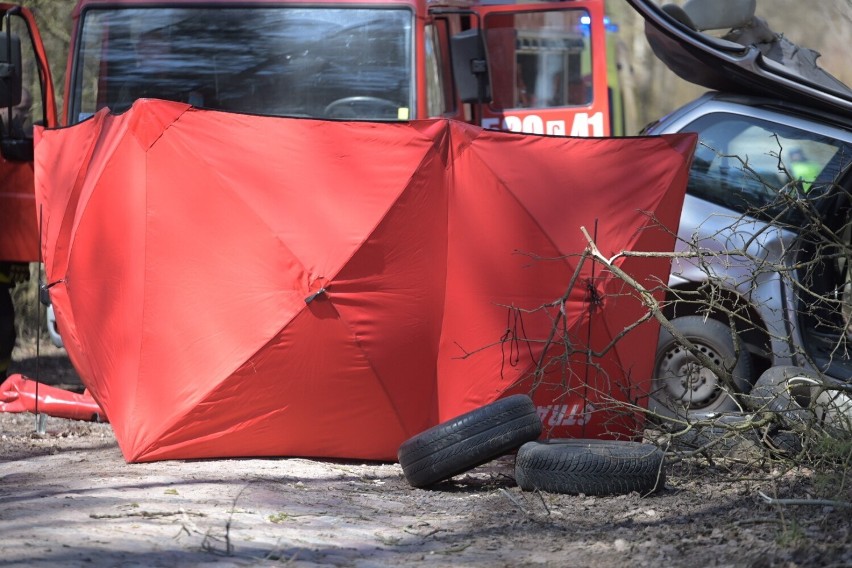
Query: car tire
[782,442]
[469,440]
[726,435]
[678,373]
[803,401]
[589,467]
[718,435]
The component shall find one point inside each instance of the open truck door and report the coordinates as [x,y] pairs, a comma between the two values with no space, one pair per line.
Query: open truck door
[26,99]
[546,68]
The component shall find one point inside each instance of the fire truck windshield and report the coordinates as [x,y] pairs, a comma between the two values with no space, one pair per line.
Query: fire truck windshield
[323,62]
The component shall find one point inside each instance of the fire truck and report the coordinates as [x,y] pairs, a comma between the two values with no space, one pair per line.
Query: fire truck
[538,68]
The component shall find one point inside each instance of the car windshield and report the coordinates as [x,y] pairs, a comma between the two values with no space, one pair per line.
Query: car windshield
[755,166]
[325,62]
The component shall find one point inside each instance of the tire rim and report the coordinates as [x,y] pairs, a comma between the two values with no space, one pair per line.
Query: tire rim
[681,378]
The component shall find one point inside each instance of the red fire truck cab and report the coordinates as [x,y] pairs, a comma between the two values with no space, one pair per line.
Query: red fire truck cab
[527,67]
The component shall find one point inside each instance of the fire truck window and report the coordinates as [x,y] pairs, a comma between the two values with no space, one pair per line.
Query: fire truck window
[436,99]
[539,59]
[308,61]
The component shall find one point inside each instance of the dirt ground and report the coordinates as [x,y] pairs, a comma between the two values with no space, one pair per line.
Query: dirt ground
[67,498]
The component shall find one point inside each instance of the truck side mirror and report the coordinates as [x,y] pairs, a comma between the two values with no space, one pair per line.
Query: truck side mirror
[470,68]
[13,146]
[10,70]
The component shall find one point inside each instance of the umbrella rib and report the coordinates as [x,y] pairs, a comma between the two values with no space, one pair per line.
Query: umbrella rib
[388,398]
[169,427]
[382,217]
[390,207]
[519,202]
[405,187]
[220,183]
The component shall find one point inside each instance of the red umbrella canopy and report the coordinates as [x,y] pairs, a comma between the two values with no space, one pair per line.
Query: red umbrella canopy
[232,285]
[515,245]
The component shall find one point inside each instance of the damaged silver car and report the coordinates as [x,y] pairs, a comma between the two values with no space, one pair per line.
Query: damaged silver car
[764,279]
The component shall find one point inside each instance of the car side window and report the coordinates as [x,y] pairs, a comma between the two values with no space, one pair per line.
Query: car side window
[754,166]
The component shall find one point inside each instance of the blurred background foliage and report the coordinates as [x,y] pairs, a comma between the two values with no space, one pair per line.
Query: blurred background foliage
[54,24]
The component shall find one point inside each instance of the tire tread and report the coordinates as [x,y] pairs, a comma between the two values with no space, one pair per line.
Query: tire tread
[590,467]
[469,440]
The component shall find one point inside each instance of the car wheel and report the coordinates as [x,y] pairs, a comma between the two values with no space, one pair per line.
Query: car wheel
[684,388]
[803,400]
[590,467]
[469,440]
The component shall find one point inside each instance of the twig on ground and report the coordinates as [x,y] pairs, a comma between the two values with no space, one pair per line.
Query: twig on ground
[513,500]
[543,503]
[812,502]
[144,514]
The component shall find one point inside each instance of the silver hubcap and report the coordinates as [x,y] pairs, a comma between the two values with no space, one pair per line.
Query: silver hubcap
[680,377]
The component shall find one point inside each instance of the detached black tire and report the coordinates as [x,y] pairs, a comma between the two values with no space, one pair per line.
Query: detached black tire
[469,440]
[804,401]
[681,386]
[590,467]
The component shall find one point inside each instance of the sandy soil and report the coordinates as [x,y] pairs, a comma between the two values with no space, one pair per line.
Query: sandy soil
[67,498]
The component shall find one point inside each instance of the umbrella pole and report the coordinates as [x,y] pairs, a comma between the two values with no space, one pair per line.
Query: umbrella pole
[41,419]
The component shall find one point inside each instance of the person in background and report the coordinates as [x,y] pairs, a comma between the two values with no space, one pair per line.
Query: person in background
[803,170]
[11,274]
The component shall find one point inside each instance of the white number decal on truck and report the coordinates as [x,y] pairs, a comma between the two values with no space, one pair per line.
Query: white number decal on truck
[583,125]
